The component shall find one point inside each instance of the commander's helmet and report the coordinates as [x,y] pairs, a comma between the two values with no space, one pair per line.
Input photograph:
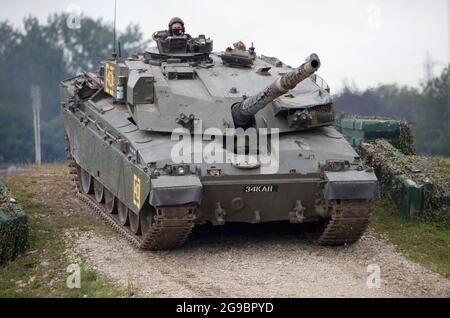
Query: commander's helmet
[176,20]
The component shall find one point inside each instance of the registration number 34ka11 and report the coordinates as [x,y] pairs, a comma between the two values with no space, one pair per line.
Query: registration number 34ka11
[266,188]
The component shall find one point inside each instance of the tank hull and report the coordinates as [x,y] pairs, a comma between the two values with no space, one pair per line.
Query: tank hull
[105,143]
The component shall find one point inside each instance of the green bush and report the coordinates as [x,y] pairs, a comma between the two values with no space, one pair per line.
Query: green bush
[13,227]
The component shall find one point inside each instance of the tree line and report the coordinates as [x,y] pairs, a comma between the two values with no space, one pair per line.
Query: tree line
[43,54]
[426,109]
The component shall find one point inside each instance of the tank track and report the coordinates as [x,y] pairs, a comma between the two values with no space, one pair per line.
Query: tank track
[170,229]
[349,221]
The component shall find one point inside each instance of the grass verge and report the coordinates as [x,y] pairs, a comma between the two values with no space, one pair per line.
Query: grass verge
[42,270]
[425,243]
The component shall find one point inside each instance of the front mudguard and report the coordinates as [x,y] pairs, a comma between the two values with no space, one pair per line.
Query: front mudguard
[175,190]
[351,185]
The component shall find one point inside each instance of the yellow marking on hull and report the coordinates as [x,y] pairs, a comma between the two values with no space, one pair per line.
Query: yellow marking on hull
[109,79]
[137,192]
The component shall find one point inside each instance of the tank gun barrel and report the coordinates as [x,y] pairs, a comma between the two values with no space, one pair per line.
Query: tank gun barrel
[244,111]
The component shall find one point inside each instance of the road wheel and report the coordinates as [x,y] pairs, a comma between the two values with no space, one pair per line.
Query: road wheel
[123,213]
[134,222]
[146,219]
[110,202]
[86,181]
[99,192]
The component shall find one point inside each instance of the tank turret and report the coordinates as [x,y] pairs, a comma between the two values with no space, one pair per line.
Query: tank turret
[243,112]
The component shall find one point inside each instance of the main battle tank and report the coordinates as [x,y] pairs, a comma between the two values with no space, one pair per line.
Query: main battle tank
[179,136]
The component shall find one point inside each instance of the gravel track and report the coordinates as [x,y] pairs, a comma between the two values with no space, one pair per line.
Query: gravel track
[269,260]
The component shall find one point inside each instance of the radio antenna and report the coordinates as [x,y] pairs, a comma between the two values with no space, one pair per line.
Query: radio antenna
[114,54]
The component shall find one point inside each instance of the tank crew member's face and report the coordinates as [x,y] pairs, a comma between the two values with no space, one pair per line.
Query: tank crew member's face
[177,28]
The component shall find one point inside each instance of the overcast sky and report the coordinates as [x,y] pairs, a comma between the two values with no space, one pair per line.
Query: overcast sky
[365,42]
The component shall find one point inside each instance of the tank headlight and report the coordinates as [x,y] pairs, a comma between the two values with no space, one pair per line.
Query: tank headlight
[156,173]
[180,170]
[214,172]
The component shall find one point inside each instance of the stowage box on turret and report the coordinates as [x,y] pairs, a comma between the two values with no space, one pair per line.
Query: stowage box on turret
[178,136]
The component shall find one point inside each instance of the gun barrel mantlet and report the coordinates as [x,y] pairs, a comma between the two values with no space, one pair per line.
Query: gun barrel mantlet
[244,111]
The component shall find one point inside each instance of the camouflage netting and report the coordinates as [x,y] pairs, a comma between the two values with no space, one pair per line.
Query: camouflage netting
[357,129]
[406,140]
[13,227]
[418,185]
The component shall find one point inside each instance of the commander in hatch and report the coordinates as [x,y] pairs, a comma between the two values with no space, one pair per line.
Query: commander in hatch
[176,28]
